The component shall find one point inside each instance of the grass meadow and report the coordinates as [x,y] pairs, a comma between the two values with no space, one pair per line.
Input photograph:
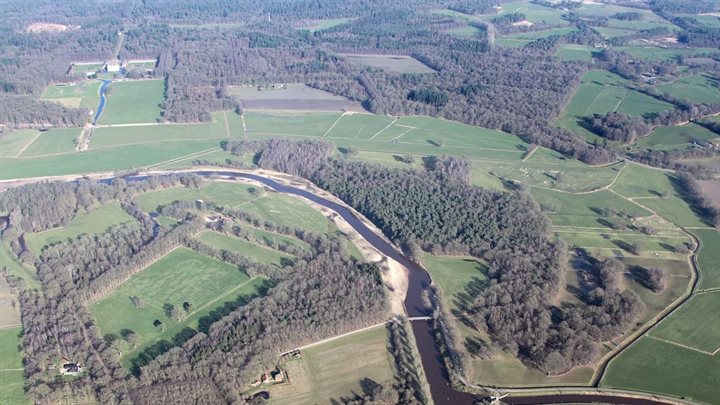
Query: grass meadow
[261,254]
[185,276]
[453,275]
[133,101]
[335,369]
[12,378]
[95,221]
[699,88]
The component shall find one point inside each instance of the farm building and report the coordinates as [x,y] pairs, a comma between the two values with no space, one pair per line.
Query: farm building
[112,66]
[70,369]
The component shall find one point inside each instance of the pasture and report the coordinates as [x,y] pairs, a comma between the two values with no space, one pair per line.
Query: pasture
[266,237]
[203,282]
[133,101]
[163,133]
[652,365]
[572,52]
[708,259]
[225,194]
[638,181]
[294,96]
[25,272]
[14,143]
[12,377]
[319,25]
[700,88]
[52,142]
[507,371]
[454,275]
[306,124]
[676,137]
[258,253]
[693,324]
[95,221]
[389,63]
[84,94]
[335,369]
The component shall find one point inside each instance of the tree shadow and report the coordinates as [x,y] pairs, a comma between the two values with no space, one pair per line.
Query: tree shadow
[623,245]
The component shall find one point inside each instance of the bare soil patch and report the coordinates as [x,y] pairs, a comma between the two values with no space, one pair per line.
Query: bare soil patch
[523,23]
[49,27]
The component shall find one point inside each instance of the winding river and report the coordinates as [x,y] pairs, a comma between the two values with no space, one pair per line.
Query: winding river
[101,106]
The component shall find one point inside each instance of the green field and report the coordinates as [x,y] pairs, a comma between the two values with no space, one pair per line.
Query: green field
[693,324]
[652,365]
[389,63]
[571,52]
[12,377]
[14,143]
[453,275]
[204,282]
[609,32]
[677,137]
[335,369]
[674,209]
[533,35]
[54,141]
[167,133]
[130,102]
[638,181]
[225,194]
[95,221]
[266,237]
[708,258]
[7,258]
[258,253]
[291,124]
[361,126]
[319,25]
[656,54]
[699,88]
[76,95]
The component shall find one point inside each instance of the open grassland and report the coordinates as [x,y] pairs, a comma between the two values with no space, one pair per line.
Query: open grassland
[272,207]
[706,20]
[360,126]
[694,324]
[181,276]
[272,238]
[11,368]
[335,369]
[601,92]
[95,221]
[291,124]
[454,275]
[7,258]
[133,101]
[638,181]
[225,194]
[258,253]
[319,25]
[708,258]
[507,371]
[292,91]
[609,32]
[652,365]
[699,88]
[389,63]
[534,13]
[533,35]
[572,52]
[676,137]
[14,143]
[165,133]
[54,141]
[83,94]
[676,210]
[9,306]
[583,210]
[656,54]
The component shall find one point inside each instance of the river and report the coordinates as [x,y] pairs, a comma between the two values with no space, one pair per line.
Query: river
[419,280]
[101,106]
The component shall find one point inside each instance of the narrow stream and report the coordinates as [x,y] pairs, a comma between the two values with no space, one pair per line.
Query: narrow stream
[101,106]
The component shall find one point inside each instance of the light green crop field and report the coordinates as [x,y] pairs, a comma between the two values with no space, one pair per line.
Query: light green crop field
[319,25]
[12,377]
[609,32]
[533,35]
[15,142]
[77,95]
[693,324]
[653,365]
[697,88]
[288,211]
[54,141]
[335,369]
[297,124]
[677,137]
[638,181]
[389,63]
[708,258]
[571,52]
[674,209]
[95,221]
[226,194]
[258,253]
[25,272]
[636,103]
[119,136]
[453,275]
[361,126]
[656,54]
[204,282]
[133,101]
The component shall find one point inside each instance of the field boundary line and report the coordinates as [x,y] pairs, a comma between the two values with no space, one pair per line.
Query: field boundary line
[180,158]
[242,119]
[333,125]
[330,339]
[227,127]
[386,127]
[28,144]
[708,290]
[12,325]
[680,345]
[402,134]
[530,153]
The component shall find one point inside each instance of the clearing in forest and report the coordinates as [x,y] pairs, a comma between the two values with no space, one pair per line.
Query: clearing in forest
[12,378]
[133,101]
[182,276]
[75,95]
[336,369]
[261,254]
[389,63]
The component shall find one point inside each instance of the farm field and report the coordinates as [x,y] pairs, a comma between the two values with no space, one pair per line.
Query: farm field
[692,325]
[7,258]
[258,253]
[533,35]
[54,141]
[225,194]
[95,221]
[204,282]
[572,52]
[290,124]
[697,88]
[294,96]
[12,377]
[676,137]
[390,63]
[335,369]
[14,143]
[120,136]
[453,275]
[264,236]
[133,102]
[319,25]
[652,365]
[83,94]
[708,258]
[656,54]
